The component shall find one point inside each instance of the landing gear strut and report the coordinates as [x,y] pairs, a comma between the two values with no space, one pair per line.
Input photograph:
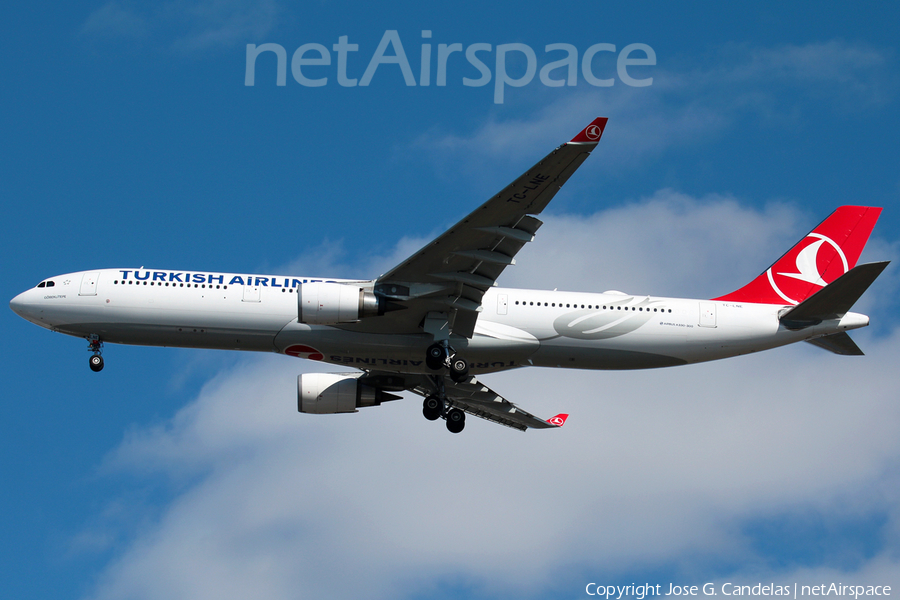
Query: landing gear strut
[96,346]
[440,355]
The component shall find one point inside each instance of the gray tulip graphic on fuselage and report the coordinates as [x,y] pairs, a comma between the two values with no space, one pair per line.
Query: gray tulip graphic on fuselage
[612,320]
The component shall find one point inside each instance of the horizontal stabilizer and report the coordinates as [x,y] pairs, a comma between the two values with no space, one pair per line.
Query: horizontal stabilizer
[835,299]
[839,343]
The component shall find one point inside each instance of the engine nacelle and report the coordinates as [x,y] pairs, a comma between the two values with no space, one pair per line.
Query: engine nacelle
[329,393]
[324,303]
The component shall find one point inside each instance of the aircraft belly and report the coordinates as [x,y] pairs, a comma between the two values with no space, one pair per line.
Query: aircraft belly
[397,352]
[153,334]
[195,327]
[633,351]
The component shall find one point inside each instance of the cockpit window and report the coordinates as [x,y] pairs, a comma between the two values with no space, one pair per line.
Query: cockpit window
[50,284]
[42,284]
[46,284]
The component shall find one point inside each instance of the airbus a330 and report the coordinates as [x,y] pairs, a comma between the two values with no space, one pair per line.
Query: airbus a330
[437,321]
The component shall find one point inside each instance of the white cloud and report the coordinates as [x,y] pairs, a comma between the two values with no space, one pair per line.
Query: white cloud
[668,244]
[687,104]
[840,69]
[215,23]
[186,24]
[116,19]
[654,468]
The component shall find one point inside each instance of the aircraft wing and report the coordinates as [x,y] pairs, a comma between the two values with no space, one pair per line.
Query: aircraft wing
[450,275]
[478,400]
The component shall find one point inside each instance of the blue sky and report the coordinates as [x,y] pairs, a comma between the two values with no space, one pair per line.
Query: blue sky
[130,139]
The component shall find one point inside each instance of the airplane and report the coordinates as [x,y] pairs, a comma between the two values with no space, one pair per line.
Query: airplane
[438,320]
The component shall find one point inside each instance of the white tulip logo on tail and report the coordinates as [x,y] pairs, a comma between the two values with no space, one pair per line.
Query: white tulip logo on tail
[559,420]
[593,132]
[811,261]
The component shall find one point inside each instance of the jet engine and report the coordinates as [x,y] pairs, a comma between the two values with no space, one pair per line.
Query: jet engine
[323,303]
[329,393]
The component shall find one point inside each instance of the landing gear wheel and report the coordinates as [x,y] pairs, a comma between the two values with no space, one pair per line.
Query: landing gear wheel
[459,369]
[434,357]
[431,408]
[95,346]
[456,420]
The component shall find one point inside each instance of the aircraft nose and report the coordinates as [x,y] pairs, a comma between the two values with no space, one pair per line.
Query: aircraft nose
[18,304]
[25,306]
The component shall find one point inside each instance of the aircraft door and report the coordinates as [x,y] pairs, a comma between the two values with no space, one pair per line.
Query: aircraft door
[707,314]
[502,304]
[251,293]
[89,284]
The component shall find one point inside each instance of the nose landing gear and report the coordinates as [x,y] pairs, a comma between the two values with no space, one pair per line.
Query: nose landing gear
[96,346]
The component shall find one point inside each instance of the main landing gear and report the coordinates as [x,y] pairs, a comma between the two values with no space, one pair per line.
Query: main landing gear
[96,346]
[440,355]
[434,408]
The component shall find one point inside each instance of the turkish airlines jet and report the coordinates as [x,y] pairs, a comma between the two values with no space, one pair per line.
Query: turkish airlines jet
[436,321]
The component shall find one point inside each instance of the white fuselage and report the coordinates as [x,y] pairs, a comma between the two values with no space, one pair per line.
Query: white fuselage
[515,327]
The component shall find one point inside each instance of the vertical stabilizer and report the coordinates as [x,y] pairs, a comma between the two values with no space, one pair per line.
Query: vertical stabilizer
[826,253]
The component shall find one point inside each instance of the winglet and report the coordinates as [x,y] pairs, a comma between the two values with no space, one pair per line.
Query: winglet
[559,420]
[591,134]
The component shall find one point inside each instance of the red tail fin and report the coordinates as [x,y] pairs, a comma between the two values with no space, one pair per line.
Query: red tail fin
[826,253]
